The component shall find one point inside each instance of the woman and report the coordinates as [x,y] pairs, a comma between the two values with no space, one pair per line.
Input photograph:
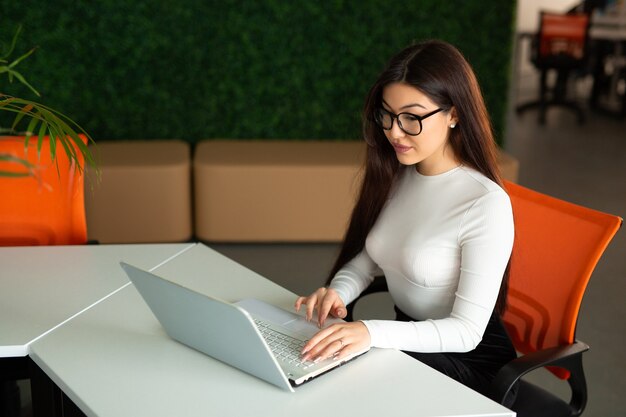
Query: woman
[433,216]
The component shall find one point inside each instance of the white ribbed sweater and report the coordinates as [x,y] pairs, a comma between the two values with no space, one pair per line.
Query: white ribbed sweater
[443,243]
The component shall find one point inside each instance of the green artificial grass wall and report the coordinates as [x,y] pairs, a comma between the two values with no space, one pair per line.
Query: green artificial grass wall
[196,69]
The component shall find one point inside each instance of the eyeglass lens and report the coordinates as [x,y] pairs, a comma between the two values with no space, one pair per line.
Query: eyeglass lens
[408,122]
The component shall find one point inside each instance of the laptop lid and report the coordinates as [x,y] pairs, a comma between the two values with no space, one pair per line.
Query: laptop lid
[216,328]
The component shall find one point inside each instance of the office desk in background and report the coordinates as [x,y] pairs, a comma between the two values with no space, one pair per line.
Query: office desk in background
[114,359]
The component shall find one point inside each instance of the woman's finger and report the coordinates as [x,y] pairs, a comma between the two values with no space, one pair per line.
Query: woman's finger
[323,300]
[340,312]
[322,344]
[331,350]
[299,302]
[310,306]
[329,304]
[317,339]
[337,341]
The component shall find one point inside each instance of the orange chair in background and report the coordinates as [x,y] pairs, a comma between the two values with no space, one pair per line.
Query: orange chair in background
[560,46]
[46,208]
[557,246]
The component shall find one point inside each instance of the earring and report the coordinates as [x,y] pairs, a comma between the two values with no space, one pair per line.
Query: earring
[452,125]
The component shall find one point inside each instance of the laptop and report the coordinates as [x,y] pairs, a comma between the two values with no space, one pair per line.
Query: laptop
[251,335]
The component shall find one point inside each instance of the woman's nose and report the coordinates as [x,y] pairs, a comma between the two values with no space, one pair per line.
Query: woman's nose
[395,130]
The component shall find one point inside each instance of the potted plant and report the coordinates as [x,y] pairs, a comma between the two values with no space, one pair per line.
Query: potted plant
[35,122]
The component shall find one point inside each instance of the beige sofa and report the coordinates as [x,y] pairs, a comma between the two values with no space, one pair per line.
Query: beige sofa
[230,191]
[280,191]
[144,194]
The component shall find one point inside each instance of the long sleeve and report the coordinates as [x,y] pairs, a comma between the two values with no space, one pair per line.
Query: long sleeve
[354,277]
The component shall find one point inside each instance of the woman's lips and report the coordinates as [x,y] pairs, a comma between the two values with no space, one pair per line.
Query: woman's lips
[401,148]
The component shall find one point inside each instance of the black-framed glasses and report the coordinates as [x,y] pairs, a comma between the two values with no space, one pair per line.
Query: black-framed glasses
[409,123]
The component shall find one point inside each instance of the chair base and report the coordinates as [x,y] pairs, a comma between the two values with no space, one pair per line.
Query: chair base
[543,108]
[553,96]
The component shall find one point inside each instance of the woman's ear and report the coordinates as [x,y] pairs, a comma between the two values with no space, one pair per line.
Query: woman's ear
[453,120]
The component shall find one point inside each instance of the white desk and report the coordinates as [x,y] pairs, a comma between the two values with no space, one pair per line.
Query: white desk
[41,287]
[121,363]
[610,27]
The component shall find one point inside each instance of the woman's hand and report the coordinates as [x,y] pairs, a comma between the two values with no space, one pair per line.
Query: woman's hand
[337,341]
[326,301]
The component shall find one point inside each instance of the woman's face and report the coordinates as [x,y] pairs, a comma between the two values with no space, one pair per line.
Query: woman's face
[429,150]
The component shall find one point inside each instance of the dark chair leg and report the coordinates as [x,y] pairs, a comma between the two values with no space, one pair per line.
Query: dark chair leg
[543,97]
[552,96]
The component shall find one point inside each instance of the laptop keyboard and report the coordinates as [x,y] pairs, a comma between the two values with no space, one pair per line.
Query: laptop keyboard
[284,347]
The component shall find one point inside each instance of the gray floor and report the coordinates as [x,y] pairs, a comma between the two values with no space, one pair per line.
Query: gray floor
[582,164]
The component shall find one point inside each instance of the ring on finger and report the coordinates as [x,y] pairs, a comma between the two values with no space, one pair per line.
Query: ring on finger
[336,354]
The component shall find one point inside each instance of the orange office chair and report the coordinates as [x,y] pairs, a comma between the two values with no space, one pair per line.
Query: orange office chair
[557,246]
[560,45]
[46,208]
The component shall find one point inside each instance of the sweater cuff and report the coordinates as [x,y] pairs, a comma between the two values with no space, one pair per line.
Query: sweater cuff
[375,337]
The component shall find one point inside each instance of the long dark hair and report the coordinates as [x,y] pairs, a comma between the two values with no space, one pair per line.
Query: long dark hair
[440,71]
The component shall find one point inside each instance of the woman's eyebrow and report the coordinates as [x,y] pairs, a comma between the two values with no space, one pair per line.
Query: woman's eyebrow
[406,106]
[412,105]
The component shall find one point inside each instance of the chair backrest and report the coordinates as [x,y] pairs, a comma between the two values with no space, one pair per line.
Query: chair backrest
[557,246]
[46,208]
[562,35]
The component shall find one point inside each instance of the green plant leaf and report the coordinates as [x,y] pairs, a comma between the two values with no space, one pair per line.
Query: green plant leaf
[6,101]
[25,110]
[19,161]
[32,125]
[21,79]
[60,127]
[54,133]
[42,133]
[14,174]
[21,58]
[60,119]
[13,42]
[39,146]
[4,157]
[26,141]
[42,119]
